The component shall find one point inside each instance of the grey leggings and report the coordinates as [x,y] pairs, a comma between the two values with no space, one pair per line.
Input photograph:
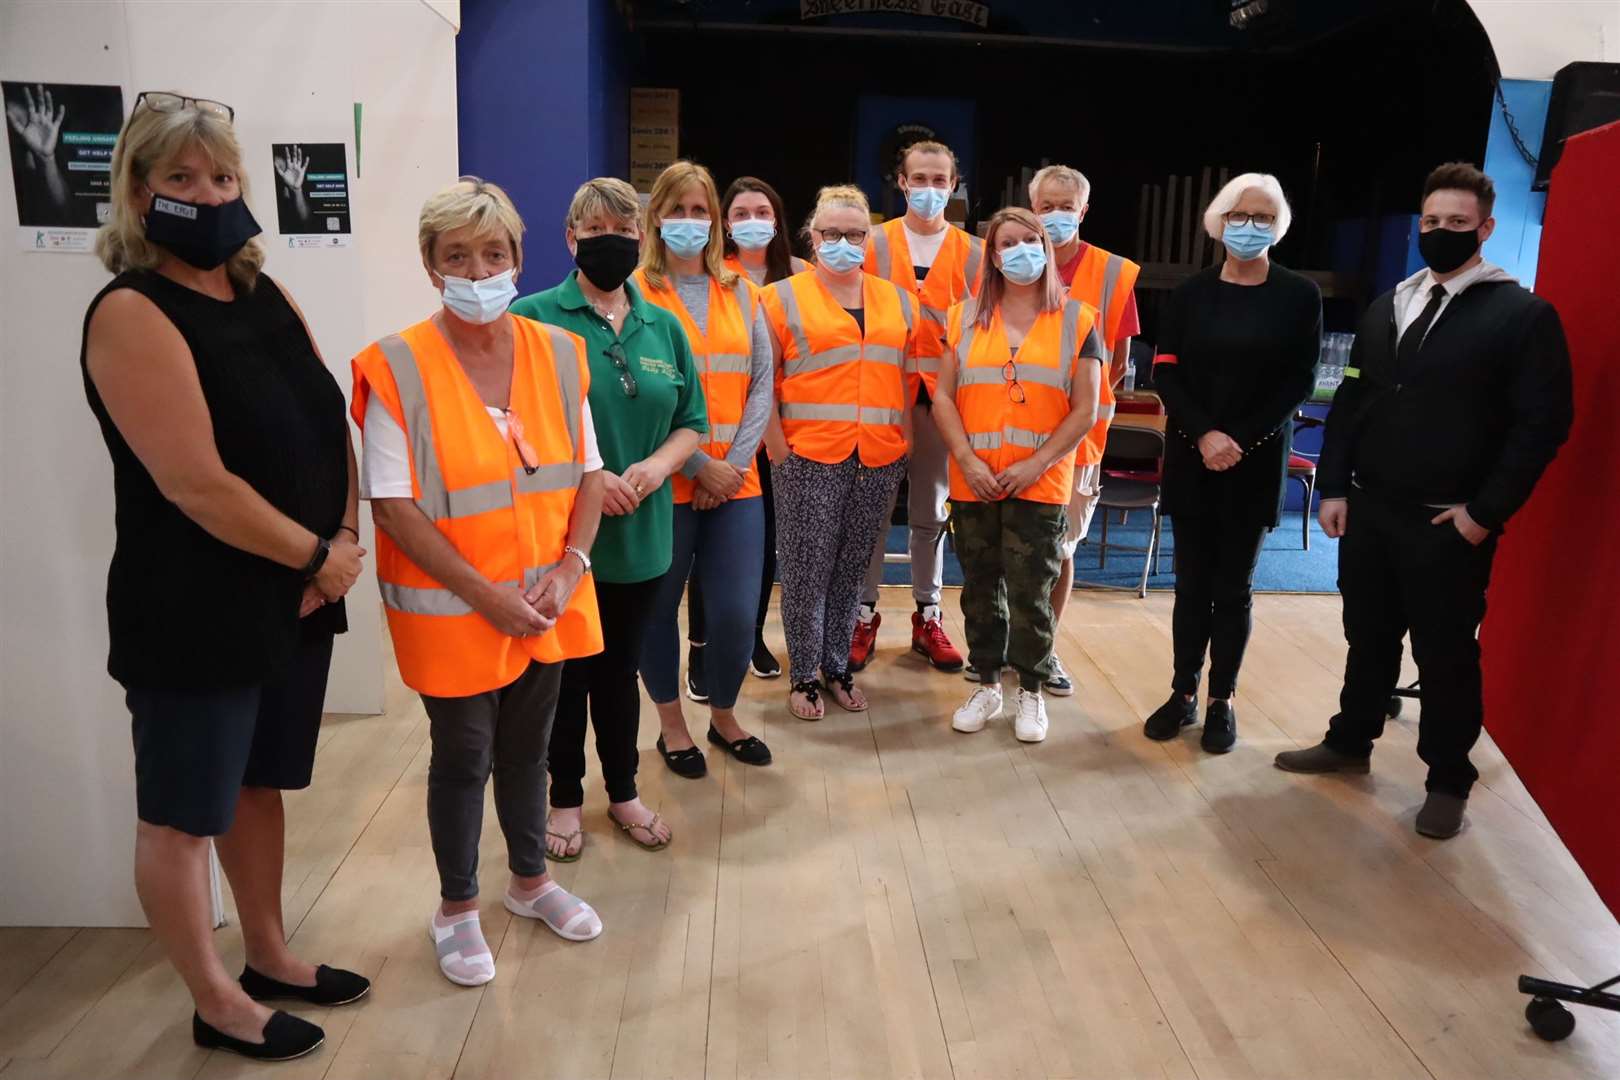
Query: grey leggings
[505,731]
[827,519]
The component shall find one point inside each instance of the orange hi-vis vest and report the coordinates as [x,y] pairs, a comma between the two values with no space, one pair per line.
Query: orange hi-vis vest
[841,391]
[953,277]
[723,356]
[1000,430]
[796,265]
[508,522]
[1104,281]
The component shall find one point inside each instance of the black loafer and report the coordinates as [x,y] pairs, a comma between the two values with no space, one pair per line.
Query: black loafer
[1168,719]
[333,986]
[285,1037]
[748,750]
[1220,728]
[688,763]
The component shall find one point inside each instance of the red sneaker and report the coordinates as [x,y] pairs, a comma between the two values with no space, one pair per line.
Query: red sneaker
[928,637]
[864,643]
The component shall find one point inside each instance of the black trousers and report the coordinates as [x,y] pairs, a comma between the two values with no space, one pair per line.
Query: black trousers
[696,630]
[606,685]
[1215,560]
[1399,573]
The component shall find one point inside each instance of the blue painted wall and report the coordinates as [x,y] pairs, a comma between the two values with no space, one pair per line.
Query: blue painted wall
[542,106]
[1516,244]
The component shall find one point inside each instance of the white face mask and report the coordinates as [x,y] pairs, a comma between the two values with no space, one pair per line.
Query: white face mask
[479,302]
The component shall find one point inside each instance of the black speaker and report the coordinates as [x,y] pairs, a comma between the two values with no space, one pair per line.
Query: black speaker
[1584,96]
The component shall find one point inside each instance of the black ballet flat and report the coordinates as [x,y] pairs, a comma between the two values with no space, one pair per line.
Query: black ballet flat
[748,750]
[333,986]
[688,763]
[285,1037]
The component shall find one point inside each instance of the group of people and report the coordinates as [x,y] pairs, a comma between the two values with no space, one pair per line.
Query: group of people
[694,411]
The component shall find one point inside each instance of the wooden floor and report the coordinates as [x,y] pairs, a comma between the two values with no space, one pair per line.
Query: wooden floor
[893,899]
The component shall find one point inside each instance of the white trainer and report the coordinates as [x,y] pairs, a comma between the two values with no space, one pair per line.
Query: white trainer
[1029,723]
[983,707]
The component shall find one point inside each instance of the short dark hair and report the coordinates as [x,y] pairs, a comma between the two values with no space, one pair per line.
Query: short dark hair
[1461,176]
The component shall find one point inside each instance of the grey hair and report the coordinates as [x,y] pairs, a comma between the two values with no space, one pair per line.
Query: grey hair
[1063,176]
[1233,192]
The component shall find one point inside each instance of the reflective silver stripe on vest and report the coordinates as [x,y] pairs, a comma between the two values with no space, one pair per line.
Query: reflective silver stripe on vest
[435,500]
[795,322]
[838,354]
[880,248]
[565,360]
[883,354]
[411,600]
[1111,272]
[975,257]
[935,315]
[985,440]
[563,476]
[798,410]
[723,433]
[905,307]
[469,502]
[1034,440]
[1042,376]
[980,375]
[926,363]
[870,415]
[1069,340]
[728,364]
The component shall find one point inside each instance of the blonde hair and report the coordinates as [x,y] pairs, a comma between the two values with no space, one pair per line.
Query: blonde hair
[927,146]
[846,196]
[604,195]
[993,284]
[151,138]
[1062,176]
[1230,195]
[666,192]
[469,201]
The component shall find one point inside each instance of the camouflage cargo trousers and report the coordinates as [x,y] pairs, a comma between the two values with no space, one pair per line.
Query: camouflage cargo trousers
[1011,554]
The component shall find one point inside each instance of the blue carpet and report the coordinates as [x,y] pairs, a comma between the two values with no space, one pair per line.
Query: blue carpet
[1284,565]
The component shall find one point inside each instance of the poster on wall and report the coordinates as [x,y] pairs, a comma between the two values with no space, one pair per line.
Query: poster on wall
[655,133]
[312,194]
[61,137]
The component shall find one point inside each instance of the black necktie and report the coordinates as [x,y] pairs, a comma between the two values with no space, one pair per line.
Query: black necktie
[1411,341]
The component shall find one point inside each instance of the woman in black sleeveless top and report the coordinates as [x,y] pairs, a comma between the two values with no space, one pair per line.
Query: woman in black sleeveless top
[235,491]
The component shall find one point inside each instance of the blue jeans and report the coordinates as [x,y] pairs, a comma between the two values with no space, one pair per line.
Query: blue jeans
[725,548]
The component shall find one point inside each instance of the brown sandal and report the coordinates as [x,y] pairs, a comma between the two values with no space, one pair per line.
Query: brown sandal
[629,830]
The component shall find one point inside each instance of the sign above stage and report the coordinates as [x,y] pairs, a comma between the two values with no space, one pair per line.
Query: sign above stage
[967,11]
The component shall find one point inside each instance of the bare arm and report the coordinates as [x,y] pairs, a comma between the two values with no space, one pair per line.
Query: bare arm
[144,372]
[1122,355]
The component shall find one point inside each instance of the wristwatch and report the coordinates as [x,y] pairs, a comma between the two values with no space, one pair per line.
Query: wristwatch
[323,548]
[584,559]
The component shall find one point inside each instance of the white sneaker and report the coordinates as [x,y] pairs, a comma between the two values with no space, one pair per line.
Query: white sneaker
[983,707]
[1029,724]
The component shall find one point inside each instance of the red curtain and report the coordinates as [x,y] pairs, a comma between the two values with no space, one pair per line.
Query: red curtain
[1551,637]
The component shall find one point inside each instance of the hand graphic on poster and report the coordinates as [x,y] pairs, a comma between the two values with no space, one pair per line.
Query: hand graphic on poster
[291,167]
[38,123]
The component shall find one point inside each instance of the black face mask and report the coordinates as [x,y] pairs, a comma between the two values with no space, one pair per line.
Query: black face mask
[201,235]
[607,260]
[1446,249]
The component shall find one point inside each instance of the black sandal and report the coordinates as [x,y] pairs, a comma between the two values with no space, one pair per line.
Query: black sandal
[748,749]
[812,693]
[846,683]
[689,763]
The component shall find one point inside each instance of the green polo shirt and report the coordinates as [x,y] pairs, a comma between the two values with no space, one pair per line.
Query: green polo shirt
[634,547]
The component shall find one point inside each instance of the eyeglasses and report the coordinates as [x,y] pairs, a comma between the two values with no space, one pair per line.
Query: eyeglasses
[164,101]
[854,236]
[1015,389]
[525,452]
[627,381]
[1261,221]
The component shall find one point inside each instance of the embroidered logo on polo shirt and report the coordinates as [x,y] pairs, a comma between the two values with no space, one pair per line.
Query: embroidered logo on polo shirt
[658,366]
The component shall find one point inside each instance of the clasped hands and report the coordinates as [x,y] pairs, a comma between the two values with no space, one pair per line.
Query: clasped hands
[532,611]
[1220,450]
[336,576]
[1008,483]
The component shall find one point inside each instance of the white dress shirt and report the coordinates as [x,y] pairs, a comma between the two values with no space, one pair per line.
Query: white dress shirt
[1412,295]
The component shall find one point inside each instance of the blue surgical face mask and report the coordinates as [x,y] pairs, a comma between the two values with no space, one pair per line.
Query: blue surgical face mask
[1247,241]
[479,302]
[753,233]
[840,256]
[1023,263]
[929,202]
[1061,225]
[685,236]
